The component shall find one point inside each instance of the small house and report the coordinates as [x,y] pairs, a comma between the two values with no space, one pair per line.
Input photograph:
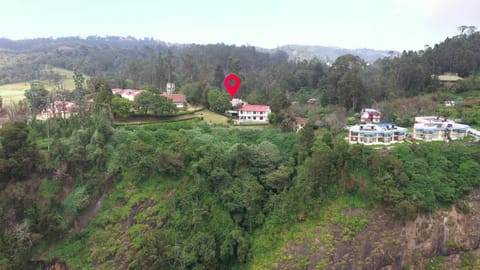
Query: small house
[448,79]
[178,99]
[370,116]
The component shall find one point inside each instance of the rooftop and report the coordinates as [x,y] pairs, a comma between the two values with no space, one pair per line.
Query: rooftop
[255,108]
[449,77]
[176,98]
[381,127]
[128,92]
[436,123]
[370,110]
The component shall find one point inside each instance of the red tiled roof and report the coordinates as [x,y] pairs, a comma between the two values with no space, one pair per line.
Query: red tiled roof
[176,98]
[117,90]
[255,108]
[301,120]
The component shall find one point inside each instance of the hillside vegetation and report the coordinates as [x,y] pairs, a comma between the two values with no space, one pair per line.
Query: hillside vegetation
[189,195]
[98,191]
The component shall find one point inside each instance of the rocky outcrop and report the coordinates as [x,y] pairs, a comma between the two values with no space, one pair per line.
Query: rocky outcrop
[393,245]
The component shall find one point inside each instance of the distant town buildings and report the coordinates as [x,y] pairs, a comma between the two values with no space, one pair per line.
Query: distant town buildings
[382,133]
[370,116]
[433,128]
[254,113]
[59,108]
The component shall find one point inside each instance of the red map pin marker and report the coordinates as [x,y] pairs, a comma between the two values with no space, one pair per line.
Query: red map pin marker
[232,89]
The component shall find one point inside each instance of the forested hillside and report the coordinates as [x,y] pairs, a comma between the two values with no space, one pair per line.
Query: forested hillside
[186,195]
[349,82]
[97,191]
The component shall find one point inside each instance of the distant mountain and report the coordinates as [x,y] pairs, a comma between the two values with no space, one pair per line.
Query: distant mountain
[329,54]
[48,43]
[300,52]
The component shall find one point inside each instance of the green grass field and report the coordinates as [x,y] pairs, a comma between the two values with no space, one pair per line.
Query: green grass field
[14,92]
[211,117]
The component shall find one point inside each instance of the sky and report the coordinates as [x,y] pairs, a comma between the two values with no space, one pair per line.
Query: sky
[377,24]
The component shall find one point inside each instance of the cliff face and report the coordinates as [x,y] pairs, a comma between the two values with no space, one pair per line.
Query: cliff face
[447,239]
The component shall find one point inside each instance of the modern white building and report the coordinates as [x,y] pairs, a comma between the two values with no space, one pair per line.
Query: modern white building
[383,133]
[254,113]
[434,128]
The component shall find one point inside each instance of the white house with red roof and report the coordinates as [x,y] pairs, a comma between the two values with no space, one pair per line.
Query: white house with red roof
[178,99]
[129,94]
[254,113]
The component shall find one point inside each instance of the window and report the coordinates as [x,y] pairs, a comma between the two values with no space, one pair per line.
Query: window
[254,118]
[261,118]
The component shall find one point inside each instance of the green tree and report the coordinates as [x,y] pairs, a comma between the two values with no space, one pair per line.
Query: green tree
[256,97]
[79,93]
[234,65]
[37,97]
[196,92]
[277,99]
[162,106]
[143,102]
[103,95]
[151,88]
[219,101]
[219,77]
[121,107]
[18,156]
[158,105]
[345,84]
